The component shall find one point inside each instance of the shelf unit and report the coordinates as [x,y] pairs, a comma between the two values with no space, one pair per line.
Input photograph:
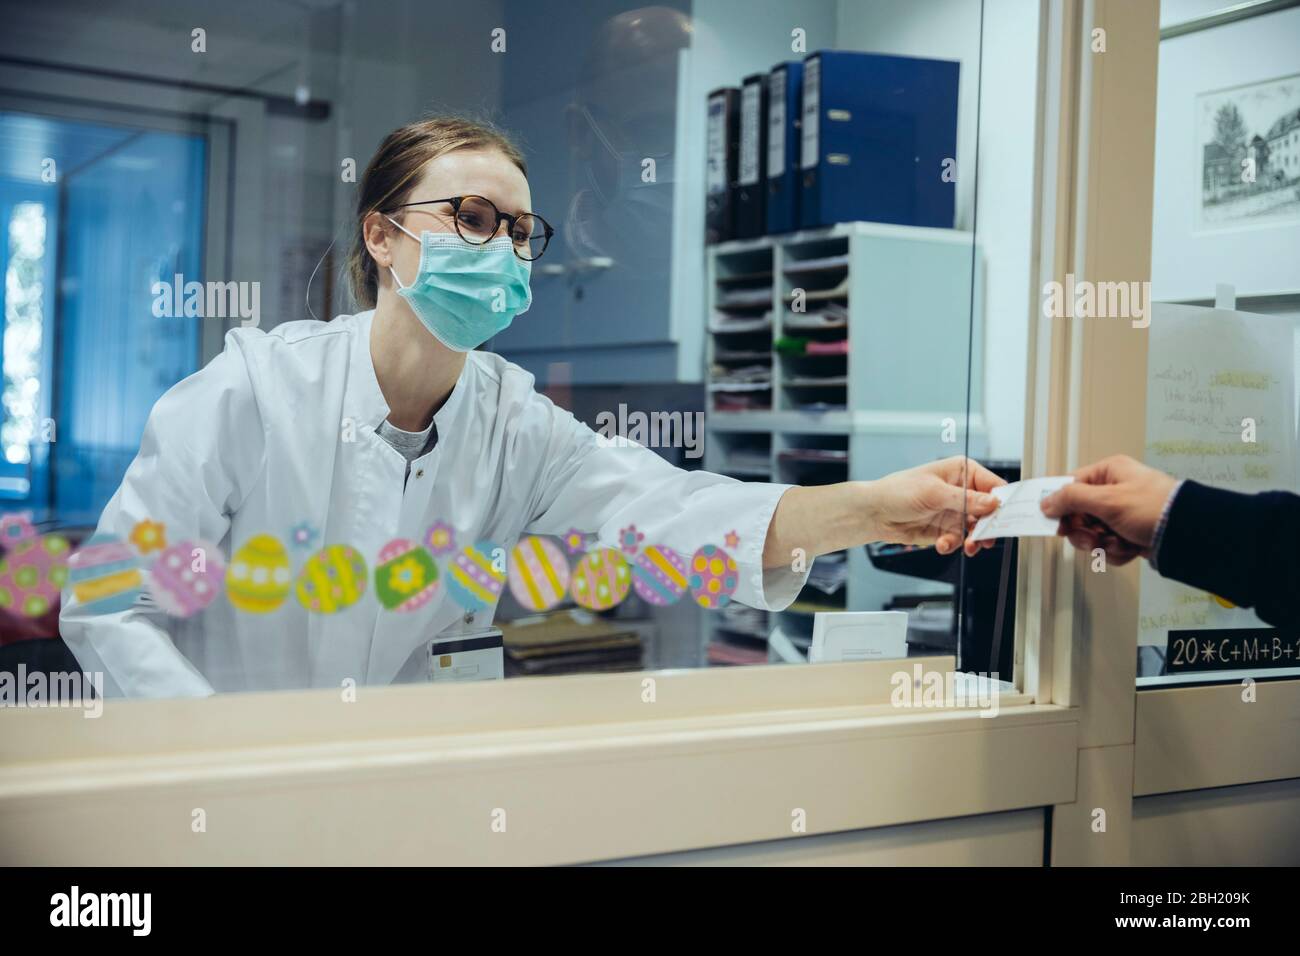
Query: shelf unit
[894,316]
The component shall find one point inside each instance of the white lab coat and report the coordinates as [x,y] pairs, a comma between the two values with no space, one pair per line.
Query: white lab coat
[280,429]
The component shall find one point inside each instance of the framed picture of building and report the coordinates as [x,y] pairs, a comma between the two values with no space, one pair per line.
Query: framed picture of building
[1249,140]
[1227,166]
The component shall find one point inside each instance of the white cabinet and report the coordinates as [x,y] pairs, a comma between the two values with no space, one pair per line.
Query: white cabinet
[843,353]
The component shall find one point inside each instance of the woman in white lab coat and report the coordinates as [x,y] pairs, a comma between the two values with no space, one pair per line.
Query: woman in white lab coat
[374,426]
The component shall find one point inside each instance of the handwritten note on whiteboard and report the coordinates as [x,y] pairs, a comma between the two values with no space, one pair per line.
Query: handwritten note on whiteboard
[1221,411]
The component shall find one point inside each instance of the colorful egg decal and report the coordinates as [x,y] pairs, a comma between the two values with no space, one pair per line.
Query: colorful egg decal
[258,578]
[406,576]
[33,573]
[601,580]
[105,575]
[713,577]
[186,577]
[539,574]
[334,578]
[477,576]
[659,576]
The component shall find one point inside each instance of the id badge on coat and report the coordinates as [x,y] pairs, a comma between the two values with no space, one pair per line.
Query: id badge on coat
[468,655]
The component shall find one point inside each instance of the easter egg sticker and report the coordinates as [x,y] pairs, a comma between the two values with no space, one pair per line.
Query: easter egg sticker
[659,576]
[32,574]
[601,580]
[477,576]
[333,579]
[713,577]
[406,577]
[258,577]
[539,573]
[186,577]
[105,575]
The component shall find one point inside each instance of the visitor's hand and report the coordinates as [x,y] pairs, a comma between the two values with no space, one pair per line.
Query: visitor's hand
[1114,504]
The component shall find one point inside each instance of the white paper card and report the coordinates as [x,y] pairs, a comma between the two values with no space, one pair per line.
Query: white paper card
[858,636]
[1019,514]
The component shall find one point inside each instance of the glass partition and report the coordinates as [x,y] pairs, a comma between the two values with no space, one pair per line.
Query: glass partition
[287,404]
[1225,280]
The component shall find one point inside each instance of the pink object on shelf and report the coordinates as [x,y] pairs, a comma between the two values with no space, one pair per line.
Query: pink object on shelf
[839,347]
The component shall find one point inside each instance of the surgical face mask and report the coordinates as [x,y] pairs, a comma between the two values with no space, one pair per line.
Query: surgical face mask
[464,294]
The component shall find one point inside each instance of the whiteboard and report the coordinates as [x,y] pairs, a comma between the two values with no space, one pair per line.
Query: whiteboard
[1208,371]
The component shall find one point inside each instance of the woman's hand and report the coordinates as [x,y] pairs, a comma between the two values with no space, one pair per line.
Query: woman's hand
[934,504]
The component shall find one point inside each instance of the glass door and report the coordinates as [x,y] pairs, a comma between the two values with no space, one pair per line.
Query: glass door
[132,245]
[115,216]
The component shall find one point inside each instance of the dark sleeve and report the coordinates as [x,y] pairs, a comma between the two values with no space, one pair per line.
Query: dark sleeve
[1245,548]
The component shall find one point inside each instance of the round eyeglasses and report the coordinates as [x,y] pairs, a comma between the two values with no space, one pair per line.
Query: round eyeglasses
[478,220]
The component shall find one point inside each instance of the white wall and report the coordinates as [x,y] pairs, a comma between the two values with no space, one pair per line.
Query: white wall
[1000,206]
